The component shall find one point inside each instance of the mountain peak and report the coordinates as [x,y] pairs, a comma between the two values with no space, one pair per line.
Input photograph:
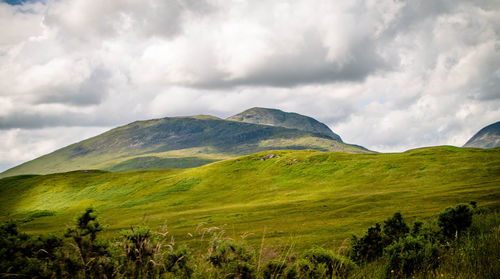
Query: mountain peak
[279,118]
[189,141]
[487,137]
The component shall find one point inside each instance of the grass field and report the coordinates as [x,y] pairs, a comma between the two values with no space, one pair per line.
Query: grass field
[301,197]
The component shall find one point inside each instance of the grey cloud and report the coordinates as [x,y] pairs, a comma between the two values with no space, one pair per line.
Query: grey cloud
[101,20]
[164,18]
[415,13]
[90,92]
[312,66]
[44,119]
[489,89]
[486,83]
[309,65]
[487,5]
[34,120]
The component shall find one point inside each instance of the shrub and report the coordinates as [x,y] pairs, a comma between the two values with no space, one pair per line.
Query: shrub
[368,247]
[454,220]
[178,262]
[336,265]
[22,255]
[473,204]
[304,268]
[139,253]
[274,269]
[91,257]
[233,259]
[410,254]
[395,228]
[417,228]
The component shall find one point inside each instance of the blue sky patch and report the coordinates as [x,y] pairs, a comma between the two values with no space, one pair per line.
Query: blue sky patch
[20,2]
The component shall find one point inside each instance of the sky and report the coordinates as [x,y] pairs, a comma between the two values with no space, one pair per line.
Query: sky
[389,75]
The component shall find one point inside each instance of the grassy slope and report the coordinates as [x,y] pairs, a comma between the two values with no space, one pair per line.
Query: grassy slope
[309,196]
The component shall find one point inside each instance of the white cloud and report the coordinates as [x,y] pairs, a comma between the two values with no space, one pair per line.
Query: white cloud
[389,75]
[19,145]
[20,23]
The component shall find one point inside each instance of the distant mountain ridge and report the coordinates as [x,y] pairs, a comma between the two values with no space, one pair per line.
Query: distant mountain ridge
[182,142]
[487,137]
[276,117]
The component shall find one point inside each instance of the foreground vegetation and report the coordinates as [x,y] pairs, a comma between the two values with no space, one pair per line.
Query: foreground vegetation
[462,242]
[301,197]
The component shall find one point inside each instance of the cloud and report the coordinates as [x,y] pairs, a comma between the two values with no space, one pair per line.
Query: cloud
[87,21]
[21,145]
[389,75]
[25,18]
[90,91]
[257,44]
[308,64]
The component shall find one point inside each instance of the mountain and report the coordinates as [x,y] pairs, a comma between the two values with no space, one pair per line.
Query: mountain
[176,142]
[276,117]
[300,197]
[487,137]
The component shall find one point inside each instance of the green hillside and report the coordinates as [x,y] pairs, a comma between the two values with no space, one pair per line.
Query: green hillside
[176,142]
[309,197]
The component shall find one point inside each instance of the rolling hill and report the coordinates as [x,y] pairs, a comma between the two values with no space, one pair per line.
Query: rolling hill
[307,197]
[182,142]
[487,137]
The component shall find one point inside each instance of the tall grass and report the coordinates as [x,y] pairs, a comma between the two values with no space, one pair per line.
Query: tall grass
[477,254]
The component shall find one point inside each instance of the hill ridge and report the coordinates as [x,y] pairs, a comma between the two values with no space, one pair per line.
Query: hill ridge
[487,137]
[176,142]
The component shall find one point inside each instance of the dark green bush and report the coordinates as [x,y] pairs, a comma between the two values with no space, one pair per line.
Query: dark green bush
[473,204]
[369,247]
[410,254]
[139,252]
[24,256]
[454,220]
[274,269]
[417,228]
[395,228]
[336,265]
[304,268]
[89,257]
[178,262]
[233,259]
